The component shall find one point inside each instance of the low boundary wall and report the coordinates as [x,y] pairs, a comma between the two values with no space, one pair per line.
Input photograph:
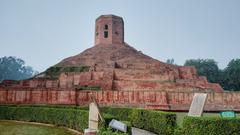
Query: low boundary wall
[175,101]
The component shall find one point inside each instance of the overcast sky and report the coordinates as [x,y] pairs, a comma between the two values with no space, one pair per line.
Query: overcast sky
[43,32]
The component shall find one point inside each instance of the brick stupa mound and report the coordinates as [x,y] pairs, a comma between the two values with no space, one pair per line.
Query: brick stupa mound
[111,64]
[114,56]
[121,67]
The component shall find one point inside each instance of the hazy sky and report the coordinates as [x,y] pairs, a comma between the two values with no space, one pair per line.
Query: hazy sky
[43,32]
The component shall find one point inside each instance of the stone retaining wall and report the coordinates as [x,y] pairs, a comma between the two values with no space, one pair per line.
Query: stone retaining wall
[145,99]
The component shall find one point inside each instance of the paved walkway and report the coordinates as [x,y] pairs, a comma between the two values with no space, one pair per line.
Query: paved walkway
[137,131]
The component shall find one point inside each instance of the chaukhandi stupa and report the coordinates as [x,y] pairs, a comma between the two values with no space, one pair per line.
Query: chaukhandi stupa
[115,72]
[112,64]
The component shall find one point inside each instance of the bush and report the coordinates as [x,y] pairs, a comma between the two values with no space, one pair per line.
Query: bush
[162,123]
[73,118]
[96,88]
[55,71]
[110,131]
[77,117]
[210,126]
[123,114]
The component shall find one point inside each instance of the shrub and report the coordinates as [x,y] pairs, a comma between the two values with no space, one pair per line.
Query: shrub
[159,122]
[162,123]
[107,120]
[96,88]
[77,117]
[73,118]
[123,114]
[210,126]
[110,131]
[55,71]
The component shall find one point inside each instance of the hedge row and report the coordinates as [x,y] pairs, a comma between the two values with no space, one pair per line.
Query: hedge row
[158,122]
[209,126]
[77,117]
[162,123]
[47,106]
[73,118]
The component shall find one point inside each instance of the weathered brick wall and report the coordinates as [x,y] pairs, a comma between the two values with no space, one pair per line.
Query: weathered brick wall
[187,72]
[70,80]
[120,74]
[145,99]
[215,101]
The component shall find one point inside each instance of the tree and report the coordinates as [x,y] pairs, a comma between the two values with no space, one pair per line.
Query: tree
[170,61]
[205,67]
[231,78]
[12,68]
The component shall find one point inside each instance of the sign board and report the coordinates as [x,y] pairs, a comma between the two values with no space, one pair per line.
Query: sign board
[228,114]
[93,117]
[118,125]
[197,105]
[94,114]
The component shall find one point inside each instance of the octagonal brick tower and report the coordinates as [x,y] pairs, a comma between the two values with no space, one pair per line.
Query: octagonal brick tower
[109,29]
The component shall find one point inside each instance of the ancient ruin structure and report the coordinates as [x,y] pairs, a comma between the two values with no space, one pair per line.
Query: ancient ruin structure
[117,74]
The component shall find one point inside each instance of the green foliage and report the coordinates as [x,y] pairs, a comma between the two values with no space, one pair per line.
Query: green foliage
[228,78]
[77,117]
[162,123]
[210,126]
[73,118]
[88,88]
[231,77]
[55,71]
[205,67]
[170,61]
[107,119]
[123,114]
[110,131]
[13,68]
[178,131]
[129,127]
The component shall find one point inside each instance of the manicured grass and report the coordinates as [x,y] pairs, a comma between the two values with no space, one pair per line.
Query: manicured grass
[19,128]
[181,115]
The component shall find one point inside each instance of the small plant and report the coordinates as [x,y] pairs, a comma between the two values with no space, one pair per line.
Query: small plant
[96,88]
[110,131]
[162,123]
[55,71]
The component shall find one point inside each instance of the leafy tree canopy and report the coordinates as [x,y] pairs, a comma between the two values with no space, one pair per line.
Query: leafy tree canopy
[231,77]
[170,61]
[205,67]
[12,68]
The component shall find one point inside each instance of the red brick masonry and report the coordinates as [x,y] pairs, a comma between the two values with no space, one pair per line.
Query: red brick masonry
[124,76]
[145,99]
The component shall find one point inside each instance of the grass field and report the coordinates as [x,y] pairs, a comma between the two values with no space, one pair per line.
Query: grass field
[19,128]
[181,115]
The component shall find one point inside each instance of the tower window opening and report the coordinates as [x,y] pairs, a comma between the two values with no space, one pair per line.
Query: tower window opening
[106,27]
[105,34]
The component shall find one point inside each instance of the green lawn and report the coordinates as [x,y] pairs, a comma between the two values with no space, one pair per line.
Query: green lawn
[181,115]
[19,128]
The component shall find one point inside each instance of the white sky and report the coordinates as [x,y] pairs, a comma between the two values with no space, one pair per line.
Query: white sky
[43,32]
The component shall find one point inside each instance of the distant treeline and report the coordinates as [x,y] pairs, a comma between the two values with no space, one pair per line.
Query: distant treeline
[228,78]
[12,68]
